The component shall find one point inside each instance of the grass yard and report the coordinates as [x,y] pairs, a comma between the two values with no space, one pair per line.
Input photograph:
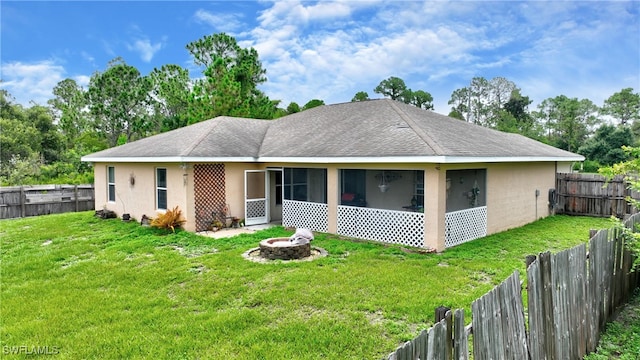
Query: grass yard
[83,287]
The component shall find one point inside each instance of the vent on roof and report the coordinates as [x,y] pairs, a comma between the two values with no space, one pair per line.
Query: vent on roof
[402,125]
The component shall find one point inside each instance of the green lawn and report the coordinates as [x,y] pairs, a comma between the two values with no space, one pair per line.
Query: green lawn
[90,288]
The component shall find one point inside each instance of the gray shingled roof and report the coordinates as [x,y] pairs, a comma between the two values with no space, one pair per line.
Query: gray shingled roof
[368,129]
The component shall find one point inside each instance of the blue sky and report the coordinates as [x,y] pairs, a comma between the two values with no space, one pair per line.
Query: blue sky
[331,50]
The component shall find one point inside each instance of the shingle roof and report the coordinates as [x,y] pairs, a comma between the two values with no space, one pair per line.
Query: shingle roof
[369,130]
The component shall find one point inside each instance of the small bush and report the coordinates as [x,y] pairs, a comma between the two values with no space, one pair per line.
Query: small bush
[170,220]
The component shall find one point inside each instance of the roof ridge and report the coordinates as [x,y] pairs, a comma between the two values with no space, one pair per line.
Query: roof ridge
[414,126]
[203,135]
[264,133]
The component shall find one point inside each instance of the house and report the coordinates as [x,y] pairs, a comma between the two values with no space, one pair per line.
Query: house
[379,170]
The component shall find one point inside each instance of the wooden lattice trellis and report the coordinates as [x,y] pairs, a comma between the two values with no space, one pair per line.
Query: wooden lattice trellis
[209,190]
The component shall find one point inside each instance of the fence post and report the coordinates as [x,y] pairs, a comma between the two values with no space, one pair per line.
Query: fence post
[529,260]
[23,207]
[75,193]
[441,313]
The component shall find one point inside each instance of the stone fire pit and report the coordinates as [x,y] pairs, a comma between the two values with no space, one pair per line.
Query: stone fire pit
[284,249]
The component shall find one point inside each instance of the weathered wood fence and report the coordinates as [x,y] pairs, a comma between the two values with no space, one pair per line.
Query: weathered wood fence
[592,195]
[571,296]
[23,201]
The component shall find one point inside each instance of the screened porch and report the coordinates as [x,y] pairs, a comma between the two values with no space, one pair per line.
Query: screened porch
[382,205]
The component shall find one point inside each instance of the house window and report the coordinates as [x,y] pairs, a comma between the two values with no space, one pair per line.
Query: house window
[161,188]
[295,184]
[111,184]
[305,185]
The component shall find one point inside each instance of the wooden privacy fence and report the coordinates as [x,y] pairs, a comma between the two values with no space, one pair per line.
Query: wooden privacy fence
[591,194]
[571,296]
[23,201]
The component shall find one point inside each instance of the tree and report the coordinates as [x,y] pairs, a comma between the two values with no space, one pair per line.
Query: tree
[482,101]
[422,99]
[69,108]
[119,100]
[624,106]
[568,121]
[360,96]
[170,90]
[313,103]
[231,77]
[293,108]
[515,117]
[392,87]
[605,146]
[51,142]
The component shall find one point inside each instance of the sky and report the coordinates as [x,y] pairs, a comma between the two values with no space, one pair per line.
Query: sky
[332,50]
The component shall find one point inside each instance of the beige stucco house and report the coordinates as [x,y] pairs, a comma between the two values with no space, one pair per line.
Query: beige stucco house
[379,170]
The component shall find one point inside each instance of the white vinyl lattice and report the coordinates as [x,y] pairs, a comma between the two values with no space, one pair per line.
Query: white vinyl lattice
[389,226]
[256,208]
[303,214]
[465,225]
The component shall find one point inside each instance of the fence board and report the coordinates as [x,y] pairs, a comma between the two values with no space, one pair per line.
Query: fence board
[536,311]
[498,323]
[460,339]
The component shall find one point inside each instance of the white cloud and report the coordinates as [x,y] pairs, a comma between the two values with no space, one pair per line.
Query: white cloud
[228,23]
[28,82]
[145,48]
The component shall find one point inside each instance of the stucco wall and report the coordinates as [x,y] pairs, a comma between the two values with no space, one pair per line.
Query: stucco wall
[234,189]
[511,194]
[139,198]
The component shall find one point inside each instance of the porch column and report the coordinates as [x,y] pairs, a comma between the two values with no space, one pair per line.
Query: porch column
[435,206]
[332,199]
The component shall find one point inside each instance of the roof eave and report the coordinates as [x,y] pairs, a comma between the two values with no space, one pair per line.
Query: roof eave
[422,159]
[165,159]
[337,159]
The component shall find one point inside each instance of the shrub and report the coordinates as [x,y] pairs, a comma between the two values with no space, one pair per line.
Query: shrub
[170,220]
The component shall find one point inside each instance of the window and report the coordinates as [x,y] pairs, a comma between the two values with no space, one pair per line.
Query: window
[161,188]
[111,184]
[295,184]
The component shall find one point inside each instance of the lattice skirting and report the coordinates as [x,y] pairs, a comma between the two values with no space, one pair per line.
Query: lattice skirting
[308,215]
[256,208]
[465,225]
[389,226]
